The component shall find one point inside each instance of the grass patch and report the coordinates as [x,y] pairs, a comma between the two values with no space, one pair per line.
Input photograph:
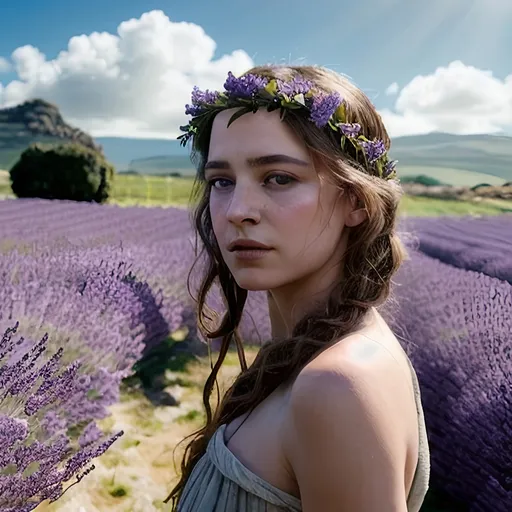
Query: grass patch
[142,417]
[129,391]
[149,425]
[191,416]
[107,424]
[116,490]
[152,190]
[176,379]
[159,504]
[432,207]
[5,184]
[128,443]
[111,459]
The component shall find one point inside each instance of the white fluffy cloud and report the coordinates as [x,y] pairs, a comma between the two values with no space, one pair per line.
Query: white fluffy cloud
[132,84]
[5,65]
[135,83]
[454,99]
[392,89]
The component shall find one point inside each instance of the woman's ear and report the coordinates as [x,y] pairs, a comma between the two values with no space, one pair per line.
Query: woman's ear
[357,212]
[356,217]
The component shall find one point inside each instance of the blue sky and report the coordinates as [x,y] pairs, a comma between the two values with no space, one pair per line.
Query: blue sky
[376,43]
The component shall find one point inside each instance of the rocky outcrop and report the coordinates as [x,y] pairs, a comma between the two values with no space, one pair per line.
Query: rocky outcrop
[40,117]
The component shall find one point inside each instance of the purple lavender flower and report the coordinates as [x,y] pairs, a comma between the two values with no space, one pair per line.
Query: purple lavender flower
[323,107]
[389,168]
[53,423]
[373,149]
[298,85]
[350,130]
[12,430]
[27,441]
[245,86]
[199,100]
[200,97]
[193,110]
[59,388]
[90,435]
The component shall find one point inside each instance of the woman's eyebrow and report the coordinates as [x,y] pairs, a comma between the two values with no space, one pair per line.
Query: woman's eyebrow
[259,161]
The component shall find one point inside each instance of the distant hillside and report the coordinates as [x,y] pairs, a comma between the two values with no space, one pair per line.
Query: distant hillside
[35,121]
[121,151]
[162,165]
[461,160]
[483,154]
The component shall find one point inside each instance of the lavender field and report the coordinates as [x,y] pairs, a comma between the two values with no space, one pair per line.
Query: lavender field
[108,287]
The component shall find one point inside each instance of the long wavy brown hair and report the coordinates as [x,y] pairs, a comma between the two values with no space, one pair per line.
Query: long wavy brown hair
[374,253]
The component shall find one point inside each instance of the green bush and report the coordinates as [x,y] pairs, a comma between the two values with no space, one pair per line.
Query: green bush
[481,185]
[62,171]
[422,179]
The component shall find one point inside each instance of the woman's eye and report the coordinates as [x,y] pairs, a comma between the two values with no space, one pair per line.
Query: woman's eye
[281,179]
[220,183]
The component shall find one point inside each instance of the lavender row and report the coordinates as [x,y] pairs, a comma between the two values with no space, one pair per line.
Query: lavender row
[456,326]
[157,243]
[110,283]
[29,221]
[479,244]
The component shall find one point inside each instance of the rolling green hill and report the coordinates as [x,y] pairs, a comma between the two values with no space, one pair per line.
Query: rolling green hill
[464,160]
[481,154]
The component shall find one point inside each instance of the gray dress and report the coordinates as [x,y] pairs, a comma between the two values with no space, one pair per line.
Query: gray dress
[221,483]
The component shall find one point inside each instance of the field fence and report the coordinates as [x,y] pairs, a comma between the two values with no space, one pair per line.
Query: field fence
[151,189]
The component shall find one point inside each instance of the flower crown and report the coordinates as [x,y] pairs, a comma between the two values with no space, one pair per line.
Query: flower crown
[251,92]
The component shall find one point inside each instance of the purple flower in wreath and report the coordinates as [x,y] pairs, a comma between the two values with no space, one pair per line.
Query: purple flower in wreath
[298,85]
[199,99]
[193,110]
[373,149]
[323,107]
[350,130]
[245,86]
[389,168]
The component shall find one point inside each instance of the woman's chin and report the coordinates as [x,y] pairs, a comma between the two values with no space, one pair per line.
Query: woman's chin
[253,286]
[253,282]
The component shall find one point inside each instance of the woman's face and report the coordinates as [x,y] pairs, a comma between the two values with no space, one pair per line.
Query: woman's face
[266,190]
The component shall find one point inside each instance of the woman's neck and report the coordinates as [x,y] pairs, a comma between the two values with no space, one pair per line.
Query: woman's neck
[287,305]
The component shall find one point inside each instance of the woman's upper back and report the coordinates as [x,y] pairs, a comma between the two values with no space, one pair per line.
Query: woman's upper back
[256,460]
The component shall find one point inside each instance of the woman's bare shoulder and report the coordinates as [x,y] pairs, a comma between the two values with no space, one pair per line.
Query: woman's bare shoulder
[357,362]
[346,416]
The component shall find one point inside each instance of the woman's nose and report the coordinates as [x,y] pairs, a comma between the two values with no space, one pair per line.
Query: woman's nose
[244,205]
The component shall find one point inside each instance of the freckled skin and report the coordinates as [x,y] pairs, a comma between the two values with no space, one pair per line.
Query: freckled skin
[301,215]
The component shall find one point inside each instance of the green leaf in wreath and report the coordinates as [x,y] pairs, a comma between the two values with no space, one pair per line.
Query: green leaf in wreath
[341,113]
[271,87]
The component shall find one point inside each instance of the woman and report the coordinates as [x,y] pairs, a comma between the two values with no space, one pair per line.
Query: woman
[299,198]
